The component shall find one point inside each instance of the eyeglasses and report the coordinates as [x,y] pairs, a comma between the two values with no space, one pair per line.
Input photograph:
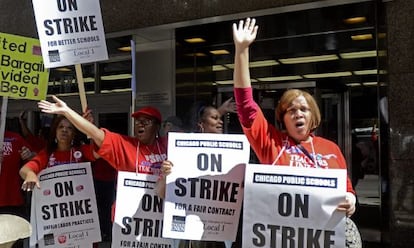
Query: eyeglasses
[144,122]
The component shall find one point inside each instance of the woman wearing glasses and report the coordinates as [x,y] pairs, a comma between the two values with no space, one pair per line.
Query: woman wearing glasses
[295,145]
[297,111]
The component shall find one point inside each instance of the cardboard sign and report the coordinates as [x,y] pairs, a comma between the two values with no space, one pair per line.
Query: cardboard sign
[139,213]
[293,207]
[22,72]
[64,210]
[70,31]
[205,188]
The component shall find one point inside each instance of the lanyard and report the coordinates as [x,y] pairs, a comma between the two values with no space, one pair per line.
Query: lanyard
[307,154]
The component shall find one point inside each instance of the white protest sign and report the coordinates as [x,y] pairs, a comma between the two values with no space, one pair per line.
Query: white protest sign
[205,189]
[70,31]
[138,214]
[293,207]
[65,208]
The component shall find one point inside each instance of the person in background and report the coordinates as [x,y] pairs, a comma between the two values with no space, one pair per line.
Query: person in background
[172,124]
[16,151]
[63,147]
[208,120]
[228,106]
[39,141]
[297,110]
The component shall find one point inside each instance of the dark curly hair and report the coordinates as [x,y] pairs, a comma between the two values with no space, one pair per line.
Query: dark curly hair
[51,142]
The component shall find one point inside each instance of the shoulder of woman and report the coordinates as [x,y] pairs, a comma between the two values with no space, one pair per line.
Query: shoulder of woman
[325,141]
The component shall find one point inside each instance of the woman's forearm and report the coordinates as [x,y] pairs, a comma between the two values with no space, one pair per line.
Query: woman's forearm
[241,68]
[86,127]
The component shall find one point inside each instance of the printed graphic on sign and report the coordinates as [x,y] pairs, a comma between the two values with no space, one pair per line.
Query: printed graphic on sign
[23,74]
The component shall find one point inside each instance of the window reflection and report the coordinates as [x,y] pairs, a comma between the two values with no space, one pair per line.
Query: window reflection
[100,77]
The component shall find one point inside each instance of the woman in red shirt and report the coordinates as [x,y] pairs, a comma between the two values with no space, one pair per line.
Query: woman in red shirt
[299,113]
[143,153]
[297,110]
[63,147]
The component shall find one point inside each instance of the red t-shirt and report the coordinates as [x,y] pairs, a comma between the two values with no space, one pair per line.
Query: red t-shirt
[42,160]
[10,180]
[38,143]
[124,153]
[270,143]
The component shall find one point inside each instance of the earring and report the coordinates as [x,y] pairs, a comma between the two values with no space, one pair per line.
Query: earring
[56,141]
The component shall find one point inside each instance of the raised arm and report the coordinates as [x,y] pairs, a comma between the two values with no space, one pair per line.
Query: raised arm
[229,106]
[23,126]
[243,35]
[82,124]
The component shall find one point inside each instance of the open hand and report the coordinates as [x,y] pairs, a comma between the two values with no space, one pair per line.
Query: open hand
[58,107]
[229,106]
[88,115]
[31,182]
[245,33]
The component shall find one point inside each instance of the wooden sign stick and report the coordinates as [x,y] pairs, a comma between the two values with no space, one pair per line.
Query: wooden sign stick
[81,87]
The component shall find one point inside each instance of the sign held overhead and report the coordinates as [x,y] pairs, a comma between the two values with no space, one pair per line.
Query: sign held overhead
[70,31]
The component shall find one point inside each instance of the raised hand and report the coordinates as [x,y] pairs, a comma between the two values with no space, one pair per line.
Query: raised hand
[22,115]
[58,107]
[88,115]
[229,106]
[245,33]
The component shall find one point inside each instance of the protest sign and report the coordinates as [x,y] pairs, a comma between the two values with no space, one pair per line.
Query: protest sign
[139,213]
[23,74]
[65,211]
[70,31]
[293,207]
[205,189]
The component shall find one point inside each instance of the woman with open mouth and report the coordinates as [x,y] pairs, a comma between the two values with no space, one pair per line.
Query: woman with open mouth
[294,144]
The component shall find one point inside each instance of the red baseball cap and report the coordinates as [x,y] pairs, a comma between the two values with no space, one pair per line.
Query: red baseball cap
[148,111]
